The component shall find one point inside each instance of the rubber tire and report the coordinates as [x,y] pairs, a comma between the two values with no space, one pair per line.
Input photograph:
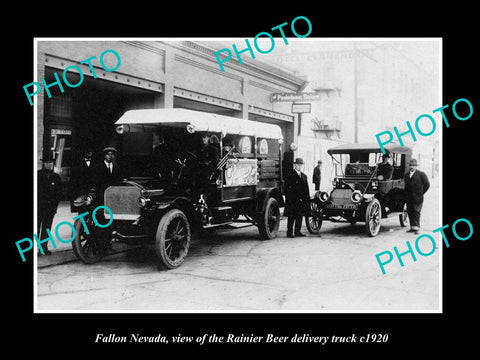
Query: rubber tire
[266,233]
[160,248]
[403,217]
[79,250]
[310,228]
[374,204]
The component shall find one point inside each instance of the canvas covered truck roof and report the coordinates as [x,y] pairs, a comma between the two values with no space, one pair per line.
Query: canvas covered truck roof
[368,147]
[200,121]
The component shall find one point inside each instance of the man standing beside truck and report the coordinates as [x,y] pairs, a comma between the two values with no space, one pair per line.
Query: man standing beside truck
[297,198]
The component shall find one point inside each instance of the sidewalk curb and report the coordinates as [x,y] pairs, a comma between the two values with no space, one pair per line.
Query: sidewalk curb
[56,258]
[59,257]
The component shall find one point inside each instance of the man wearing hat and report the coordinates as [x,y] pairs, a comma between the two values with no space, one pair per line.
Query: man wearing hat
[416,185]
[105,173]
[48,194]
[317,175]
[297,198]
[384,169]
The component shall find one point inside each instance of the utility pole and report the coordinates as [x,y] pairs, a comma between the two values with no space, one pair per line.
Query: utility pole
[355,86]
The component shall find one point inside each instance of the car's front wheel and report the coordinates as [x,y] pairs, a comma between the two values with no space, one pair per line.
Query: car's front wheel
[172,239]
[92,246]
[373,216]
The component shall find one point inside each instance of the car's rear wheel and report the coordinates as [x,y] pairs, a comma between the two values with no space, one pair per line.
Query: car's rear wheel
[172,239]
[314,220]
[373,216]
[269,221]
[403,217]
[91,247]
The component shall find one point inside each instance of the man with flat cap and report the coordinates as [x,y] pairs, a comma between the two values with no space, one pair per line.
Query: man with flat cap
[416,185]
[48,195]
[297,198]
[105,173]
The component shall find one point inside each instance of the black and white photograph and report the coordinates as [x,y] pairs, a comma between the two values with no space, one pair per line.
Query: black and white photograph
[232,181]
[174,177]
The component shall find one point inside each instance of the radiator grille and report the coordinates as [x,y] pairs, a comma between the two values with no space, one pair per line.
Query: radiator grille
[341,196]
[122,201]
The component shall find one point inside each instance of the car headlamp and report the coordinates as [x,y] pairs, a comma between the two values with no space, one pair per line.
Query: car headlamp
[324,196]
[356,196]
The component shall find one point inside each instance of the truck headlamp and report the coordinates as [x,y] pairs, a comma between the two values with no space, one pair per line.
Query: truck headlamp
[142,201]
[83,200]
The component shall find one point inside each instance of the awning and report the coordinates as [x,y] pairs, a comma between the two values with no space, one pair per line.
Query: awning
[200,121]
[370,148]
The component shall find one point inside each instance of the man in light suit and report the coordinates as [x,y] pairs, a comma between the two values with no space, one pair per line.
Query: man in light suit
[297,198]
[416,185]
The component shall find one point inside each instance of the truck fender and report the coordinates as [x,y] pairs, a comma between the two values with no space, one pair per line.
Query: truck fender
[264,194]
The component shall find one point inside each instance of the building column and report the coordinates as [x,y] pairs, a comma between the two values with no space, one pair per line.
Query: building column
[169,78]
[39,98]
[243,114]
[165,100]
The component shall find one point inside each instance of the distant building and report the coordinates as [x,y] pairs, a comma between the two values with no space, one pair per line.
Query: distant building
[365,87]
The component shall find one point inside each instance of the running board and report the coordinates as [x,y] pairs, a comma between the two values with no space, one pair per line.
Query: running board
[216,225]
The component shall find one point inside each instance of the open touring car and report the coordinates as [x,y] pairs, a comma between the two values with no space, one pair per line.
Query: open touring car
[360,193]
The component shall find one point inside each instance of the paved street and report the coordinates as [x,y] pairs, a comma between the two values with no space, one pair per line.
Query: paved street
[233,270]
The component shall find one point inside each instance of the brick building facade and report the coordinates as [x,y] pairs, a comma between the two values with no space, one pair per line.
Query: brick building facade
[152,74]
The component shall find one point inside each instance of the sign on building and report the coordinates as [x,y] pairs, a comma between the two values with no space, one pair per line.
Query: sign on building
[295,97]
[301,108]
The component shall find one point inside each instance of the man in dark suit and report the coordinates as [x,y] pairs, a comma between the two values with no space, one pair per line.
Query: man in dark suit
[81,178]
[385,170]
[297,198]
[105,173]
[416,185]
[317,175]
[49,194]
